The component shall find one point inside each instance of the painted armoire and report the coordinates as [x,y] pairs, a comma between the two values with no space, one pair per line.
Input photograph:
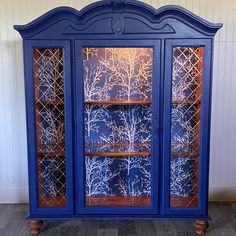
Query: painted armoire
[118,99]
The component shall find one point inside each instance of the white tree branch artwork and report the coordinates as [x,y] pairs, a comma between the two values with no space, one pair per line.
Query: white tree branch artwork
[90,52]
[49,180]
[52,128]
[96,85]
[93,88]
[186,73]
[98,175]
[131,70]
[135,176]
[50,74]
[182,176]
[183,128]
[53,176]
[118,74]
[93,115]
[133,125]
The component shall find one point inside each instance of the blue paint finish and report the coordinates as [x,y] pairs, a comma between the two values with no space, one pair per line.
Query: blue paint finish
[117,217]
[113,23]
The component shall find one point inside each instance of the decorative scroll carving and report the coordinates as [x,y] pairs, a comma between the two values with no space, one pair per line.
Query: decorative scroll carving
[117,25]
[118,5]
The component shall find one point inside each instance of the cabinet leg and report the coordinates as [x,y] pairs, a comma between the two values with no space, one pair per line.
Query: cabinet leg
[35,226]
[200,226]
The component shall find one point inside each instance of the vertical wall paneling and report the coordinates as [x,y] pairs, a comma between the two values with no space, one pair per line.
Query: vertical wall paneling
[13,149]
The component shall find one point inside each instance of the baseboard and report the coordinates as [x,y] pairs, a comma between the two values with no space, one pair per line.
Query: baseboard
[222,193]
[14,194]
[20,194]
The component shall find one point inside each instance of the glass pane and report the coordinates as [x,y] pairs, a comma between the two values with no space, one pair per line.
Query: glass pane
[185,126]
[49,103]
[117,90]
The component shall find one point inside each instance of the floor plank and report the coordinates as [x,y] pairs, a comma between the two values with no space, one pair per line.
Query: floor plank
[126,228]
[164,228]
[13,222]
[145,228]
[89,228]
[107,232]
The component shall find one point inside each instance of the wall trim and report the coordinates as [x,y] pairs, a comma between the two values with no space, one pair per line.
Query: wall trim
[222,193]
[14,194]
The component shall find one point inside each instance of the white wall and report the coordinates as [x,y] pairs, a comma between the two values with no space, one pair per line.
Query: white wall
[13,152]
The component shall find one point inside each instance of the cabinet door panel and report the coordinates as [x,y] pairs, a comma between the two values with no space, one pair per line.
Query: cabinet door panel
[51,114]
[186,156]
[117,117]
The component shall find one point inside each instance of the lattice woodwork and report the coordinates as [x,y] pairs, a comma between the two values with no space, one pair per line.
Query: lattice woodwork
[185,125]
[49,102]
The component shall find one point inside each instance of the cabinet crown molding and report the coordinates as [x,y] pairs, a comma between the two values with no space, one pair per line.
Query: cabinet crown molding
[96,19]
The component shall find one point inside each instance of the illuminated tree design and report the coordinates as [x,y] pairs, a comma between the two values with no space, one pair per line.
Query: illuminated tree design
[185,73]
[53,176]
[96,87]
[94,115]
[186,86]
[50,74]
[121,74]
[133,125]
[49,183]
[182,176]
[103,179]
[52,127]
[132,176]
[92,78]
[183,127]
[131,70]
[90,52]
[49,95]
[135,176]
[98,175]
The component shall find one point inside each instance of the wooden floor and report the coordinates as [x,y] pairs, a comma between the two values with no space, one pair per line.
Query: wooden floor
[12,223]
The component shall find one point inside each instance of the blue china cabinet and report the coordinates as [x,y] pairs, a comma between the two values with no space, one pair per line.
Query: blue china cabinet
[118,99]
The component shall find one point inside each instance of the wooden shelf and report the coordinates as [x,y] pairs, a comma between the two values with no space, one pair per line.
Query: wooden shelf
[117,102]
[118,149]
[117,154]
[52,201]
[119,201]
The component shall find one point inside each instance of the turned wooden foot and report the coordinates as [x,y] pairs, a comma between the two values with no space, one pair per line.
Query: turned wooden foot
[201,226]
[35,226]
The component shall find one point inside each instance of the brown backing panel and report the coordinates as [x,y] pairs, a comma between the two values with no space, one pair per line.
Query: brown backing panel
[119,201]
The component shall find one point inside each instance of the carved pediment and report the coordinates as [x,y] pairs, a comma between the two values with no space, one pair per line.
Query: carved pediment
[119,24]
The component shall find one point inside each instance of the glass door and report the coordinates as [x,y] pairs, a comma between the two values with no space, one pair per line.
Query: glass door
[187,102]
[118,120]
[48,114]
[50,126]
